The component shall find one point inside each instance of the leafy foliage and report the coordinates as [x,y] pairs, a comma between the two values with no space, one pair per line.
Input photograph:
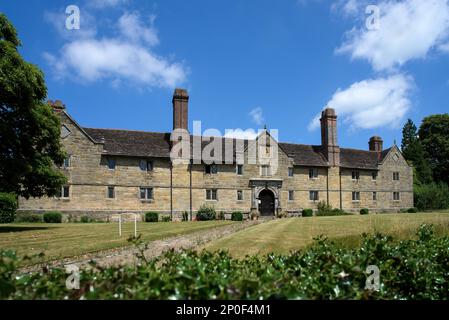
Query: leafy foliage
[30,131]
[151,216]
[431,196]
[206,213]
[237,216]
[325,209]
[412,210]
[85,219]
[29,217]
[185,216]
[53,217]
[8,207]
[364,211]
[411,269]
[307,213]
[166,219]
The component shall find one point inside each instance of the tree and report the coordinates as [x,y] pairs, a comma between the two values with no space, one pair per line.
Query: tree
[434,137]
[29,130]
[413,152]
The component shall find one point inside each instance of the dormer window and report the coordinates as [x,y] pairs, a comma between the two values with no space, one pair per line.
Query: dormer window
[111,163]
[355,175]
[146,165]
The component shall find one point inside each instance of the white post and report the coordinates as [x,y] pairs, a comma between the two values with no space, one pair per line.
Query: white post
[120,225]
[135,226]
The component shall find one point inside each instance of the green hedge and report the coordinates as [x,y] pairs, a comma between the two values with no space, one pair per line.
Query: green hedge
[53,217]
[307,213]
[8,207]
[237,216]
[412,210]
[29,217]
[151,216]
[409,270]
[431,196]
[166,219]
[206,213]
[364,211]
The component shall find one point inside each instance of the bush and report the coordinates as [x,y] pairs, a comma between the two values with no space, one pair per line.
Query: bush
[412,210]
[205,213]
[221,215]
[85,219]
[166,219]
[307,213]
[29,217]
[410,270]
[151,216]
[364,211]
[185,216]
[8,207]
[431,196]
[53,217]
[325,209]
[237,216]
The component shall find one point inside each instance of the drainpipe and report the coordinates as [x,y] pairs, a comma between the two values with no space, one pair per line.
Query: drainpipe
[171,190]
[190,169]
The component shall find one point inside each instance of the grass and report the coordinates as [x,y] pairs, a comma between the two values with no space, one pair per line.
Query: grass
[285,235]
[72,239]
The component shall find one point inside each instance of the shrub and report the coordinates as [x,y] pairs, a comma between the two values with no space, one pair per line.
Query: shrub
[29,217]
[221,215]
[166,219]
[237,216]
[205,213]
[412,210]
[185,216]
[364,211]
[8,207]
[307,213]
[53,217]
[323,207]
[85,219]
[151,216]
[431,196]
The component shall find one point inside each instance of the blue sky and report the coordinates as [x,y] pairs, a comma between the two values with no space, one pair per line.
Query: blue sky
[244,63]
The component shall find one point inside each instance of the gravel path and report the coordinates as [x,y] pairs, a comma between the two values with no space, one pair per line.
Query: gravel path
[127,255]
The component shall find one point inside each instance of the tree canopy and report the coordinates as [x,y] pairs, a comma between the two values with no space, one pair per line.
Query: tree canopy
[30,143]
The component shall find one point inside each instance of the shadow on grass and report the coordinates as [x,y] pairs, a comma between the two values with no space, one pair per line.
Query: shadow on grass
[5,229]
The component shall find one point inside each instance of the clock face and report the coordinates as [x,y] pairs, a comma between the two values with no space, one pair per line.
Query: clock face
[65,132]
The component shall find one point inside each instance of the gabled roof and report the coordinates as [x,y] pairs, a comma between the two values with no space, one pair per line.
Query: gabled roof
[157,144]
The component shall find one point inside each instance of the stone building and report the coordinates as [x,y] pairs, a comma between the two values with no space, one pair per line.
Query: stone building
[124,171]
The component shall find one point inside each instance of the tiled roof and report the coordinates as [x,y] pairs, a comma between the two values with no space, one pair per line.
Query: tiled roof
[157,144]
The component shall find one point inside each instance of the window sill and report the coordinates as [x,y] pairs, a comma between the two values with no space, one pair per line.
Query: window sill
[211,200]
[62,199]
[146,200]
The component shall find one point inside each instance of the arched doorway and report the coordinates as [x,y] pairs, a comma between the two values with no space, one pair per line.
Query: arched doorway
[266,204]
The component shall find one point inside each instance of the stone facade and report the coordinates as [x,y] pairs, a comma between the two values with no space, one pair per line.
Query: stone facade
[380,180]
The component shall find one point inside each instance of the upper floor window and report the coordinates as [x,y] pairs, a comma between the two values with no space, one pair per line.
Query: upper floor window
[355,196]
[355,175]
[313,173]
[396,176]
[67,162]
[374,175]
[111,164]
[64,192]
[211,194]
[239,195]
[313,195]
[211,169]
[374,196]
[290,172]
[239,169]
[291,195]
[111,192]
[265,170]
[396,196]
[146,193]
[146,165]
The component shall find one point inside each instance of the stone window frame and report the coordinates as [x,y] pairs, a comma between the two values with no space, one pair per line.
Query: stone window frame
[267,172]
[291,172]
[146,165]
[313,173]
[314,195]
[61,193]
[67,163]
[210,194]
[398,196]
[110,161]
[237,171]
[374,196]
[396,176]
[242,195]
[146,198]
[356,196]
[212,168]
[108,194]
[291,195]
[355,175]
[374,175]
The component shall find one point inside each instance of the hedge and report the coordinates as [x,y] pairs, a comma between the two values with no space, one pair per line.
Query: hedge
[53,217]
[151,216]
[409,270]
[307,213]
[237,216]
[8,207]
[206,213]
[29,217]
[364,211]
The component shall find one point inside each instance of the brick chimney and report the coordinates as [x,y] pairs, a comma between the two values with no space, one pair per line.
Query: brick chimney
[180,109]
[57,105]
[376,144]
[329,141]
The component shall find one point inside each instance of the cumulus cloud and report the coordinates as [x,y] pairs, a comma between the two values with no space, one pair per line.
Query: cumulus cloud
[248,134]
[372,103]
[409,29]
[257,116]
[126,58]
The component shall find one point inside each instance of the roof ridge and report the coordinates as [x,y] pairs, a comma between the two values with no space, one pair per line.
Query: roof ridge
[124,130]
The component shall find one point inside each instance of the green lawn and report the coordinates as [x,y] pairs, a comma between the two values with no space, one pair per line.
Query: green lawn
[72,239]
[284,235]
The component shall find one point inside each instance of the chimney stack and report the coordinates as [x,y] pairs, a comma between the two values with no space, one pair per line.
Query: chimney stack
[57,105]
[329,140]
[180,109]
[376,144]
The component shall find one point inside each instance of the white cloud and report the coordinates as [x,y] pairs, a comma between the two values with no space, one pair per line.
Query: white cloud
[408,30]
[372,103]
[444,47]
[101,4]
[58,21]
[257,116]
[249,134]
[126,58]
